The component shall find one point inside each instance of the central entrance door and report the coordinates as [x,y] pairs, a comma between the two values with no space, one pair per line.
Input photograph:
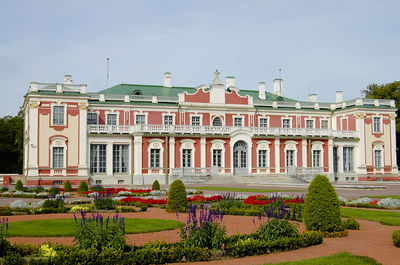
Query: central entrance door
[240,162]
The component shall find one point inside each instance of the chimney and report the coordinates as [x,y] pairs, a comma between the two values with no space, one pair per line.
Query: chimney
[339,96]
[312,97]
[261,90]
[167,79]
[68,79]
[278,87]
[230,81]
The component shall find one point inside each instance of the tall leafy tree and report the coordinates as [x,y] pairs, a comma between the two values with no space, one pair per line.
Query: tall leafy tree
[11,143]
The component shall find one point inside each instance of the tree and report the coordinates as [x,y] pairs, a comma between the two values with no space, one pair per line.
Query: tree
[177,196]
[387,91]
[11,143]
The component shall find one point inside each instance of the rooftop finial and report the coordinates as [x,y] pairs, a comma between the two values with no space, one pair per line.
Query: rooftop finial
[216,77]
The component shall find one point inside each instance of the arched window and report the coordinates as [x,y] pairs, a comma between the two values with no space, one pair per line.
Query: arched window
[217,121]
[137,92]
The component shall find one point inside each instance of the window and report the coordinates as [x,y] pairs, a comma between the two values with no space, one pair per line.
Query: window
[120,182]
[168,120]
[186,157]
[377,125]
[120,158]
[217,121]
[377,158]
[92,118]
[195,120]
[309,124]
[111,119]
[237,122]
[217,157]
[289,158]
[98,158]
[140,119]
[98,181]
[58,115]
[58,182]
[58,157]
[285,123]
[263,122]
[324,124]
[262,158]
[154,157]
[316,162]
[347,159]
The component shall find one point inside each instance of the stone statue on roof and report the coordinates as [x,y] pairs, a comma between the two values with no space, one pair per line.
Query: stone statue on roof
[216,78]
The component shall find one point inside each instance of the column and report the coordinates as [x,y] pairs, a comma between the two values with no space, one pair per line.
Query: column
[304,152]
[203,152]
[109,164]
[277,156]
[83,143]
[171,152]
[360,167]
[33,139]
[330,160]
[393,145]
[340,158]
[137,153]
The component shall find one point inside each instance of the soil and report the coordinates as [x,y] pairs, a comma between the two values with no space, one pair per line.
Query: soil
[373,239]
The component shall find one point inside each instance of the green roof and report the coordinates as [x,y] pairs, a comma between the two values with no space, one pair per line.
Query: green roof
[150,90]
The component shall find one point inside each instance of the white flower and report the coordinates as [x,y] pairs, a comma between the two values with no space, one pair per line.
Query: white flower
[19,204]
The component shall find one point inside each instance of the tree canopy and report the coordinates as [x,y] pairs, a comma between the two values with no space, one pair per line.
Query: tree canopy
[11,143]
[386,91]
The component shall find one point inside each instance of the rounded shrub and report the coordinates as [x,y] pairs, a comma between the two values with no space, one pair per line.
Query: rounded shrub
[156,185]
[83,186]
[276,229]
[396,238]
[322,207]
[54,191]
[19,186]
[177,196]
[351,224]
[67,186]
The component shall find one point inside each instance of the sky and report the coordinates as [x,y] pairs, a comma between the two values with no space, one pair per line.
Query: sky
[321,46]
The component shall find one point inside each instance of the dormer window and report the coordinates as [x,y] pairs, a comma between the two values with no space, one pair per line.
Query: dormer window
[137,92]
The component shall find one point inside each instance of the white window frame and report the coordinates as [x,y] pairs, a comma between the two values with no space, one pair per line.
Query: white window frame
[97,117]
[236,117]
[218,145]
[116,117]
[378,146]
[327,123]
[188,144]
[309,120]
[168,114]
[196,115]
[317,146]
[345,169]
[290,122]
[142,114]
[156,144]
[120,169]
[291,145]
[259,122]
[58,142]
[380,124]
[222,121]
[65,114]
[98,160]
[263,146]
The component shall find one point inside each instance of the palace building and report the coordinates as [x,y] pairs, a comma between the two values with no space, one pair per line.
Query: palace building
[132,134]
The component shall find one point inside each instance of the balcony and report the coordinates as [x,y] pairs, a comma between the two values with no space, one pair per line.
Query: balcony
[215,130]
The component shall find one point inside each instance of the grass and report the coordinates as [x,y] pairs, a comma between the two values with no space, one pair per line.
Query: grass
[342,258]
[213,188]
[383,217]
[385,196]
[66,227]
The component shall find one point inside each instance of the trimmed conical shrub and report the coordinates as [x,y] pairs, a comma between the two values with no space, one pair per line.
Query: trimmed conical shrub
[19,186]
[322,208]
[156,185]
[67,186]
[177,196]
[83,186]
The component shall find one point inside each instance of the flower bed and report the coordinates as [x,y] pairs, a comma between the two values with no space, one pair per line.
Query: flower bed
[201,198]
[129,200]
[263,200]
[117,190]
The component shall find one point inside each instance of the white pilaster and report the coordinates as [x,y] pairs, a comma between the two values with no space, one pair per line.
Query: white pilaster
[172,152]
[304,152]
[109,164]
[83,163]
[137,153]
[360,167]
[330,156]
[393,146]
[203,152]
[340,158]
[33,139]
[277,156]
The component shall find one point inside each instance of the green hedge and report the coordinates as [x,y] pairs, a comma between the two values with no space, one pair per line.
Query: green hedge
[396,238]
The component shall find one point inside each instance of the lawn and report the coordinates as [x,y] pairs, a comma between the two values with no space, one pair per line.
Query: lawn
[384,217]
[342,258]
[66,227]
[232,189]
